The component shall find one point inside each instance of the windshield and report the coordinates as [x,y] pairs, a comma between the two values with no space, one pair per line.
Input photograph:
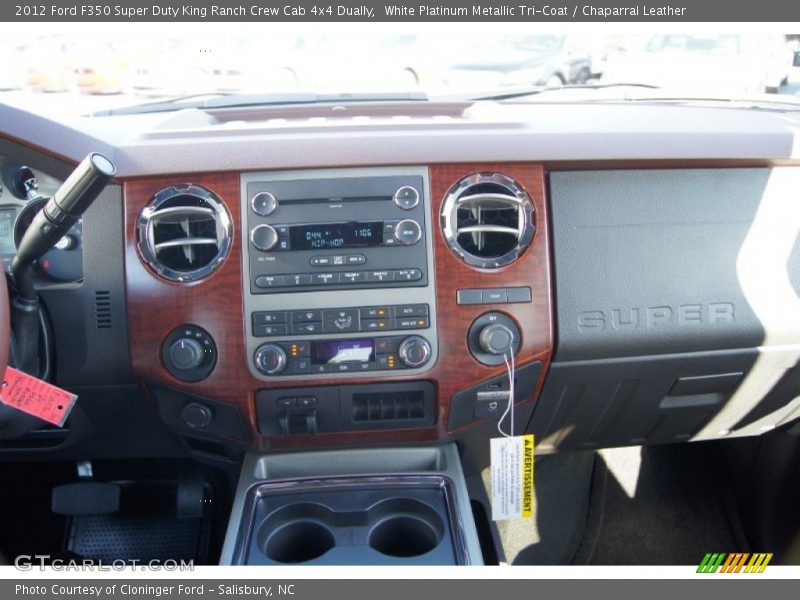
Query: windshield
[85,69]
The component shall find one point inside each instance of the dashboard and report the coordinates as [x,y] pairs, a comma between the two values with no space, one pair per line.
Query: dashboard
[287,278]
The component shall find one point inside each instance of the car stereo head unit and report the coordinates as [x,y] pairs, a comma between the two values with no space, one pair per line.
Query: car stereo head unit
[324,254]
[336,233]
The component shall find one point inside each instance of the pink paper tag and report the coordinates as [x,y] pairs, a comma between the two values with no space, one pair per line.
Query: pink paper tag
[36,397]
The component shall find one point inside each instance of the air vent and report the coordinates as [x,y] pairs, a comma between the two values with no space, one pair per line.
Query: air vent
[185,232]
[102,309]
[398,406]
[488,219]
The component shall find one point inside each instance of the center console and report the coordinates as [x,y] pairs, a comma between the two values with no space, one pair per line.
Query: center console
[338,273]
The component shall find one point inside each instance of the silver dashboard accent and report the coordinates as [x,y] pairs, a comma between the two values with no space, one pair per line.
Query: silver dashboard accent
[470,194]
[165,209]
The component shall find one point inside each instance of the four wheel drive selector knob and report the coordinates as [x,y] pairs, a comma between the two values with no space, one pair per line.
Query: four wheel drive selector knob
[496,339]
[270,359]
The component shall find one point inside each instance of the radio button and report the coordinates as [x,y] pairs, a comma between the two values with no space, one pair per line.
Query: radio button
[306,316]
[356,259]
[266,318]
[353,277]
[306,328]
[388,233]
[377,325]
[340,321]
[297,280]
[320,261]
[283,244]
[407,275]
[264,204]
[324,278]
[408,232]
[270,281]
[338,260]
[406,197]
[261,330]
[379,276]
[376,312]
[264,237]
[411,310]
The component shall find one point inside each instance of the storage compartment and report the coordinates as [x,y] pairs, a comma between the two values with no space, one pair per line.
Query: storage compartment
[360,520]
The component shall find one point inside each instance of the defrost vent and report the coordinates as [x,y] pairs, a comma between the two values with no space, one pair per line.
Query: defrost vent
[185,232]
[488,220]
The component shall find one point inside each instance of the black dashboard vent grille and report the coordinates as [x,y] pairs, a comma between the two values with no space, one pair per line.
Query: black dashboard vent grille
[487,219]
[102,309]
[185,232]
[394,406]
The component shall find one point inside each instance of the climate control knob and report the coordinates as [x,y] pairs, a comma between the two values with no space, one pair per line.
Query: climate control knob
[414,351]
[264,237]
[270,359]
[186,354]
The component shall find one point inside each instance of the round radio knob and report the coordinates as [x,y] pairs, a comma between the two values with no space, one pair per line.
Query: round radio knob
[414,351]
[406,197]
[270,359]
[264,204]
[264,237]
[186,354]
[496,339]
[407,232]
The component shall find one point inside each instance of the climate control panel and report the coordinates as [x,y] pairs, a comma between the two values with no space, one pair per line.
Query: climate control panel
[350,355]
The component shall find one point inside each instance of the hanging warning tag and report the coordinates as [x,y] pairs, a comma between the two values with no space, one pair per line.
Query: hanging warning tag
[512,477]
[36,397]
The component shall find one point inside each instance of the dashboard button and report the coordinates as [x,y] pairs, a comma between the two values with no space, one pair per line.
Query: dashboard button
[297,280]
[320,261]
[407,275]
[387,362]
[376,312]
[519,294]
[412,323]
[306,316]
[469,296]
[264,237]
[356,259]
[411,310]
[306,328]
[296,349]
[338,260]
[340,321]
[287,402]
[299,366]
[495,296]
[306,401]
[270,281]
[376,325]
[266,318]
[326,368]
[352,277]
[387,345]
[324,278]
[379,276]
[262,330]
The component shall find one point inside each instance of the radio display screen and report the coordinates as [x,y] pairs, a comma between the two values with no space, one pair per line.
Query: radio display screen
[331,236]
[335,352]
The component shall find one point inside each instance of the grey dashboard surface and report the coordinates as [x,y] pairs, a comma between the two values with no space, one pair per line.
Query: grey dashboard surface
[646,261]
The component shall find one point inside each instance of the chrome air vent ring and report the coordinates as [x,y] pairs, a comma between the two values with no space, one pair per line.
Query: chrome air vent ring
[184,233]
[488,220]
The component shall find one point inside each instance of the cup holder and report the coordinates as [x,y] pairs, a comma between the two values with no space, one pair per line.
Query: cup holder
[295,533]
[404,528]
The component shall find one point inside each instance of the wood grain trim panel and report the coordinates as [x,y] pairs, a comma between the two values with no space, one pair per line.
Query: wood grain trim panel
[156,307]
